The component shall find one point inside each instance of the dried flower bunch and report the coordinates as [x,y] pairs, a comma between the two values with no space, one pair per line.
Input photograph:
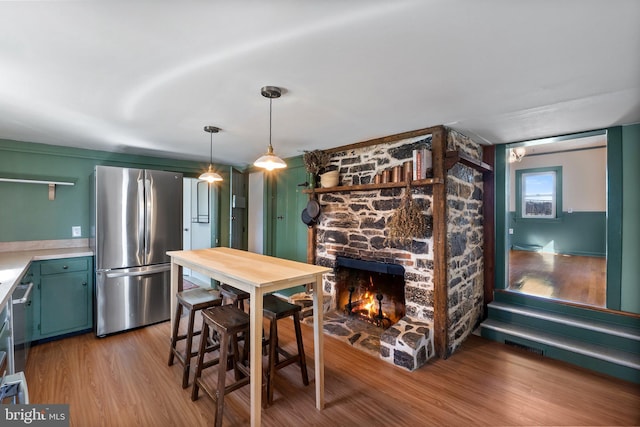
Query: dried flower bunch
[315,161]
[407,221]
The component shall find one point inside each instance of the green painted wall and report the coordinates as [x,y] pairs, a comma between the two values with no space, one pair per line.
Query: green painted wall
[577,233]
[285,235]
[26,213]
[614,220]
[290,232]
[630,277]
[501,175]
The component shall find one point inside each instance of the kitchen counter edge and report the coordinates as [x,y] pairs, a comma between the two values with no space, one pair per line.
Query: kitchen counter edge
[13,265]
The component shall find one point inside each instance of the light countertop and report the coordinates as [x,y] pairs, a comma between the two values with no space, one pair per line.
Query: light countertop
[14,264]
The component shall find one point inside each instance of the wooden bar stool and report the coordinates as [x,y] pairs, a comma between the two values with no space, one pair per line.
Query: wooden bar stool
[228,322]
[234,295]
[274,309]
[192,300]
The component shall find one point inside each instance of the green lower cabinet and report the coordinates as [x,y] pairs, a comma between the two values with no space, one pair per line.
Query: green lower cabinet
[63,301]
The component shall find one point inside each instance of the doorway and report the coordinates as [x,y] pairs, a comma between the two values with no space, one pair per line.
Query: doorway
[198,219]
[557,218]
[237,209]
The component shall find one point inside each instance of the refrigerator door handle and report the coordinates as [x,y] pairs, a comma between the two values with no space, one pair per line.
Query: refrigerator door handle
[147,271]
[147,217]
[141,222]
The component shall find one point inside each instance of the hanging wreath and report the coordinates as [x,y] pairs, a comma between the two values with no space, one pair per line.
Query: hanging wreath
[407,222]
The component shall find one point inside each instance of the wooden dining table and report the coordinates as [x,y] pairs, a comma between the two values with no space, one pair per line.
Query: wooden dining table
[256,274]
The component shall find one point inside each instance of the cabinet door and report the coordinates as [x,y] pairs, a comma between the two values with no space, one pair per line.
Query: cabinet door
[35,300]
[64,306]
[26,309]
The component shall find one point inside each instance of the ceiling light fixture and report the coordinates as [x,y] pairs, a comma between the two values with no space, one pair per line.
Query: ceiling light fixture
[516,154]
[270,161]
[210,175]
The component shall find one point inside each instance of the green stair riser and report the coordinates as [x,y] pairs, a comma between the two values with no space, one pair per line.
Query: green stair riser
[594,337]
[568,310]
[598,365]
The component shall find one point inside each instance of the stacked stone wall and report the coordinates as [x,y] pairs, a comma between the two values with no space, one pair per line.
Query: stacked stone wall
[465,240]
[354,224]
[360,165]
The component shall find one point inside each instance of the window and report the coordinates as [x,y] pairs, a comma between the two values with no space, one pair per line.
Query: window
[539,193]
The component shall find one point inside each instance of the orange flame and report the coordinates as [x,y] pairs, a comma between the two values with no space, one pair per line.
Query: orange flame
[369,304]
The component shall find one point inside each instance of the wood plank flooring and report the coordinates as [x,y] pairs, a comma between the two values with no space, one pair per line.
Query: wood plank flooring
[578,279]
[124,380]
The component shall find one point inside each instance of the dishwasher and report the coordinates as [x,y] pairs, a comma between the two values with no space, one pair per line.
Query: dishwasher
[13,387]
[22,325]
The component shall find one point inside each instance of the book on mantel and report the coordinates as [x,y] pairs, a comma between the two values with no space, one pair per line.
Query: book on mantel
[422,163]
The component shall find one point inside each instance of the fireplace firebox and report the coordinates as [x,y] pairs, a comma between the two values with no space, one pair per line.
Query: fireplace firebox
[371,291]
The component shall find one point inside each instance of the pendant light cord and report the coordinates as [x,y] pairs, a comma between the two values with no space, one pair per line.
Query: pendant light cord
[211,149]
[270,121]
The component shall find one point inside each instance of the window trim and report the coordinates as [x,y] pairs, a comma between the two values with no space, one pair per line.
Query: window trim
[558,193]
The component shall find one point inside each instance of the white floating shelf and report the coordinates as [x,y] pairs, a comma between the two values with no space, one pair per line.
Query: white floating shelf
[51,183]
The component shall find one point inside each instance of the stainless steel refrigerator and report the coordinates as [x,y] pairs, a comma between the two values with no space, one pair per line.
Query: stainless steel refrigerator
[136,218]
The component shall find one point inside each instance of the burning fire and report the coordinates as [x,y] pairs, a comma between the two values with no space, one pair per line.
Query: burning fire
[369,304]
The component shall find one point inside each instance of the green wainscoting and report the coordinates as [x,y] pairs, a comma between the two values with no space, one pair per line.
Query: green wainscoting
[26,213]
[577,233]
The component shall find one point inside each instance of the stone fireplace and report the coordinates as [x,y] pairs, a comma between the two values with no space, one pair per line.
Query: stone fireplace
[370,291]
[353,226]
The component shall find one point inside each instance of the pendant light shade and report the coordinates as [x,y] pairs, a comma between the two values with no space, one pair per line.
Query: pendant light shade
[210,175]
[270,161]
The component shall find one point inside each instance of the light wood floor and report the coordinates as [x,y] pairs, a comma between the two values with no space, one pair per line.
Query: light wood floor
[124,380]
[578,279]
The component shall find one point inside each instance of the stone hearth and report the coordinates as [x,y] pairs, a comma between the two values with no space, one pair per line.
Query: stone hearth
[407,343]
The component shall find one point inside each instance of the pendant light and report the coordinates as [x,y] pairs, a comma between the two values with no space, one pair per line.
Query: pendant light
[516,154]
[210,175]
[270,161]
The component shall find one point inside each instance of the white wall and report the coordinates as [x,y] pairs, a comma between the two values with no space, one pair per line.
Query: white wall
[584,178]
[256,212]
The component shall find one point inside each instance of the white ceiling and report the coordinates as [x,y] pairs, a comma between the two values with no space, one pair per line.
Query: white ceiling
[146,77]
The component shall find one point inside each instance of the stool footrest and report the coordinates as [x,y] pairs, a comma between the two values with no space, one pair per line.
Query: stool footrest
[182,337]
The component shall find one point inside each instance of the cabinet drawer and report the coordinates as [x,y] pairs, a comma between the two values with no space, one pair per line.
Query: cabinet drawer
[64,266]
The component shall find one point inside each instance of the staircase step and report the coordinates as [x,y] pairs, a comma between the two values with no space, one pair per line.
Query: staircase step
[611,355]
[571,321]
